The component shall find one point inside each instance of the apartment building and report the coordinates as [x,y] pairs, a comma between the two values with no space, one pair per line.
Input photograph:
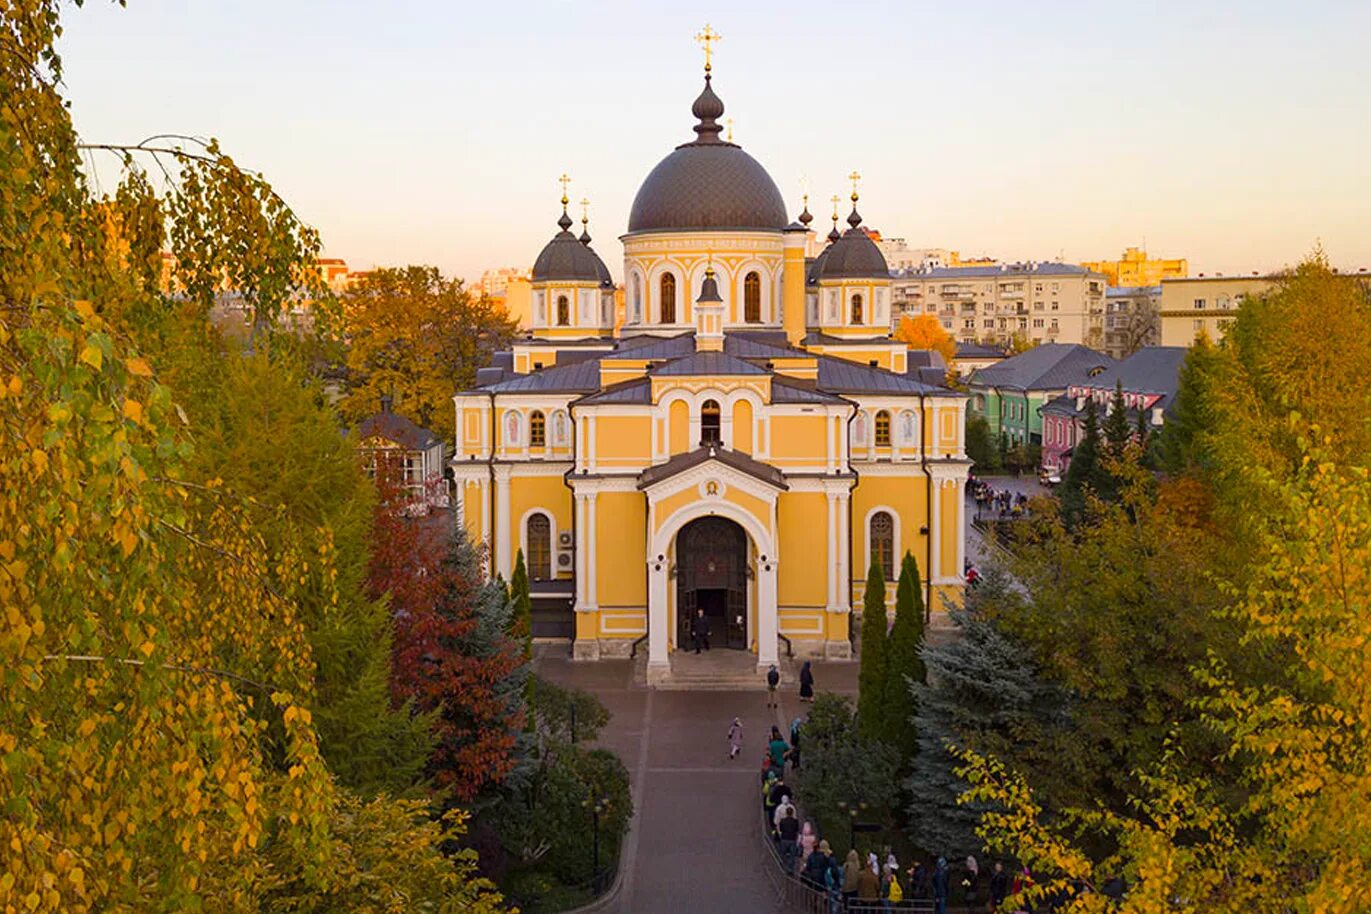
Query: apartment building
[1042,302]
[1130,319]
[1134,269]
[1203,304]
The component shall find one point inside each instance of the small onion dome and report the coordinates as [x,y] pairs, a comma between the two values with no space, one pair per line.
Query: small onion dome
[853,255]
[805,217]
[709,290]
[565,258]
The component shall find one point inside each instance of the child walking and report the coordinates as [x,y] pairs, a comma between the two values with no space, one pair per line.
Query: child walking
[735,738]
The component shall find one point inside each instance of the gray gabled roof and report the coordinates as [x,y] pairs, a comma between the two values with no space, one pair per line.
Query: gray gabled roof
[796,390]
[840,376]
[394,427]
[579,377]
[637,391]
[1152,369]
[735,459]
[649,347]
[762,344]
[1049,366]
[708,363]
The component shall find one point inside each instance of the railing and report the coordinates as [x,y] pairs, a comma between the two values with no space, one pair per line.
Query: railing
[789,648]
[633,648]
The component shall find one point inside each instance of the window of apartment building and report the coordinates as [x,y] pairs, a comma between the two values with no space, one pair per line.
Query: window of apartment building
[1038,322]
[1023,323]
[1038,287]
[1054,306]
[969,324]
[1198,324]
[1225,323]
[990,324]
[947,325]
[1222,302]
[1053,325]
[1199,304]
[989,308]
[1038,306]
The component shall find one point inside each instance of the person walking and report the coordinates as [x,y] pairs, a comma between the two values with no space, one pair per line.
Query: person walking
[773,679]
[999,886]
[735,739]
[700,630]
[851,870]
[806,682]
[869,884]
[940,887]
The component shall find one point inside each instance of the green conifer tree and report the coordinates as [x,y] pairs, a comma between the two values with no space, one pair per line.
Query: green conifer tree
[1117,433]
[521,620]
[1180,444]
[904,662]
[1083,474]
[872,675]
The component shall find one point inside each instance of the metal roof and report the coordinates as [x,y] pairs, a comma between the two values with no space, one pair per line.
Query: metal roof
[708,363]
[796,390]
[738,461]
[637,391]
[394,427]
[1048,366]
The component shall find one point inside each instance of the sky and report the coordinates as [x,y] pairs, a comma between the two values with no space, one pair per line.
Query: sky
[1235,134]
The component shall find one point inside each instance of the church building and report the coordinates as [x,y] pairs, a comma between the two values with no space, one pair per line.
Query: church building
[746,443]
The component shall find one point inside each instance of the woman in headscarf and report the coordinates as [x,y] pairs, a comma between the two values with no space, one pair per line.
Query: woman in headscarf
[869,882]
[851,870]
[808,839]
[940,887]
[972,880]
[806,682]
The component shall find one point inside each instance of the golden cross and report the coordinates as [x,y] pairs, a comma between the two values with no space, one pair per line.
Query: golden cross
[854,178]
[836,198]
[729,122]
[705,39]
[565,181]
[585,210]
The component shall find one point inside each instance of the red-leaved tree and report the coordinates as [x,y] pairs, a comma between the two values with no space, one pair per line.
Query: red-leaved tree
[452,655]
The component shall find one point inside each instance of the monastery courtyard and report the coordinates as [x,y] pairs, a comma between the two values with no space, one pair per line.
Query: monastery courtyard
[695,842]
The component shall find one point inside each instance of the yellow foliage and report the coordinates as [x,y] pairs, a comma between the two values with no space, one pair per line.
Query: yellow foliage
[926,332]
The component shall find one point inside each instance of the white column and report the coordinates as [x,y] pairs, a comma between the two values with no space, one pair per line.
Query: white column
[658,662]
[768,625]
[504,561]
[590,446]
[582,577]
[959,489]
[844,551]
[934,515]
[588,548]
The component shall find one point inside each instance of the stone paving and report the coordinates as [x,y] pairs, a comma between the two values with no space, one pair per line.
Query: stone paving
[694,845]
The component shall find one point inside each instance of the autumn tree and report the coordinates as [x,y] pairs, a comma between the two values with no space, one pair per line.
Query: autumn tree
[160,746]
[980,443]
[453,658]
[925,331]
[871,677]
[417,336]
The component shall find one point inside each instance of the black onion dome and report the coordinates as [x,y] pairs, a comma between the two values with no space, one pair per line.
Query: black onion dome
[853,256]
[707,184]
[566,258]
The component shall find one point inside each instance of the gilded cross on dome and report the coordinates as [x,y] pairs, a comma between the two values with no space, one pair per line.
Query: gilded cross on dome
[854,178]
[564,181]
[705,39]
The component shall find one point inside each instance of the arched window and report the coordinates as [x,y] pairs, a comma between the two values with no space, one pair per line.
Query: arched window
[563,311]
[856,309]
[709,423]
[882,429]
[539,547]
[752,298]
[537,430]
[883,543]
[637,298]
[668,310]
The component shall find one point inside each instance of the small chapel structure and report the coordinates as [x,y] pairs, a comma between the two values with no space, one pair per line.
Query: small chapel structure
[746,442]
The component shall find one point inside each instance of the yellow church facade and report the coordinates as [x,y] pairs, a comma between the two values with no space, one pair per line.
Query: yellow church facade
[742,446]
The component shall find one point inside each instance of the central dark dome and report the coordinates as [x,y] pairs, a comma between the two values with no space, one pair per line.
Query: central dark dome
[707,185]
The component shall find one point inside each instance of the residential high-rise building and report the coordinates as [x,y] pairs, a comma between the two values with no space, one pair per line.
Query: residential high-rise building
[1130,319]
[1040,302]
[1135,268]
[1203,304]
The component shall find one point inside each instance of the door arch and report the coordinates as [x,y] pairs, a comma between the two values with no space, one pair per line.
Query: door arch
[711,575]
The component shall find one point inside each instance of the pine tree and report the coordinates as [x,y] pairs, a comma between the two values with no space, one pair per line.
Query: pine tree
[1084,472]
[1117,433]
[904,662]
[521,622]
[871,677]
[983,692]
[1181,441]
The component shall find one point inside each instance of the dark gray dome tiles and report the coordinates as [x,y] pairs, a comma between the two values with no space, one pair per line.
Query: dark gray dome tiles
[566,258]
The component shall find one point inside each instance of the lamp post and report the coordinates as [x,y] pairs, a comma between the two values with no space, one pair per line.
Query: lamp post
[596,807]
[853,811]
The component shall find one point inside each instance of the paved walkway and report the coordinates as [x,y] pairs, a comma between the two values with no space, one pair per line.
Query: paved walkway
[694,845]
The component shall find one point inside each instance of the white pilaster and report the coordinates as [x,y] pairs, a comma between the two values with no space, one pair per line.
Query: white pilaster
[658,659]
[844,554]
[935,534]
[768,625]
[587,549]
[834,570]
[504,559]
[582,577]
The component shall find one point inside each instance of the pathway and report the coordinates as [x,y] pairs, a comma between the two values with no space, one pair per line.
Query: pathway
[694,843]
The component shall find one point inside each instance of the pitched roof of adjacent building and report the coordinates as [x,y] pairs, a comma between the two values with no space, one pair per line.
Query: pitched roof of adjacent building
[1152,369]
[708,363]
[1048,366]
[394,427]
[735,459]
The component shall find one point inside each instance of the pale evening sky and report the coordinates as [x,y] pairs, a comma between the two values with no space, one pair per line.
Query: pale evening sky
[1235,134]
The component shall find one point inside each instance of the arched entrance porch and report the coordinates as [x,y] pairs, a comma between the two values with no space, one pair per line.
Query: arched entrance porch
[712,574]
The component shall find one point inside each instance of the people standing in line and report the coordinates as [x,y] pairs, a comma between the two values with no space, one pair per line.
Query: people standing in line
[768,804]
[999,886]
[735,739]
[795,744]
[773,679]
[780,795]
[852,868]
[869,883]
[891,892]
[806,682]
[815,866]
[940,887]
[972,880]
[788,834]
[918,880]
[833,883]
[699,630]
[777,748]
[809,838]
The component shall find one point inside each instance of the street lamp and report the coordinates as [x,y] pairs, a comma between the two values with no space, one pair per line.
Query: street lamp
[596,807]
[853,811]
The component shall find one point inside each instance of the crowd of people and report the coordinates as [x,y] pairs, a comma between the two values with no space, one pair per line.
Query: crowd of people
[850,883]
[1001,503]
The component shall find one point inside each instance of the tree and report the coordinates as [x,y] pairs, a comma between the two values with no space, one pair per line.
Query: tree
[925,331]
[1019,342]
[844,770]
[1084,474]
[983,692]
[980,445]
[521,620]
[453,657]
[1117,432]
[417,336]
[904,663]
[871,678]
[158,679]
